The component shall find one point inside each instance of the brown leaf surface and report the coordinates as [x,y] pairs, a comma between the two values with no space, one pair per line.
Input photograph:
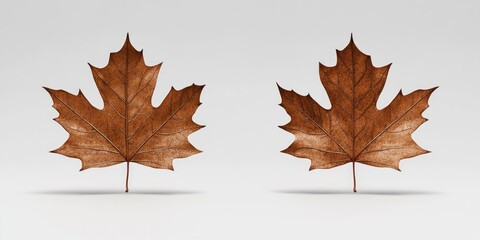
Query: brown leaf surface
[354,130]
[128,128]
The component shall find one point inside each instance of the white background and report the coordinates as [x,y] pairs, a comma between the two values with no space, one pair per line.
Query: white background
[241,187]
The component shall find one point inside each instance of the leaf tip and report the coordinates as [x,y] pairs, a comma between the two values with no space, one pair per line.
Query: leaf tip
[280,88]
[93,68]
[388,66]
[351,44]
[49,90]
[158,65]
[84,167]
[286,150]
[127,43]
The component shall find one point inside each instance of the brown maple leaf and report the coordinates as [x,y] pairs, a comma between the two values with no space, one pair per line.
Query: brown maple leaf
[128,128]
[354,130]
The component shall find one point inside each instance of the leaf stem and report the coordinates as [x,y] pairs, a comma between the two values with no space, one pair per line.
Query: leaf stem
[354,178]
[128,173]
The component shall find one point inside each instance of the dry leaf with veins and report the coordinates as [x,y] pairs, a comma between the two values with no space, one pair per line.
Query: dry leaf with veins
[128,128]
[354,130]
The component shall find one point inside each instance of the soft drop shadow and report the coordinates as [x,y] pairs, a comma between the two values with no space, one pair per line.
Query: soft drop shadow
[366,192]
[109,192]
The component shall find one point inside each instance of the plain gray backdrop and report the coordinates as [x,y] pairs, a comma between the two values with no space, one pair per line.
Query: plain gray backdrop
[241,186]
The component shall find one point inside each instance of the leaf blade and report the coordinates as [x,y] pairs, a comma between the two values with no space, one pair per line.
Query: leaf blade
[107,136]
[354,123]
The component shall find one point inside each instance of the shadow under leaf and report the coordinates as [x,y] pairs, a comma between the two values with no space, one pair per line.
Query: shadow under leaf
[110,192]
[366,192]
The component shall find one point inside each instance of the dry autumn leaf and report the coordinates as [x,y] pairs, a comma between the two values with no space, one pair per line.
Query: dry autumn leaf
[354,130]
[128,128]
